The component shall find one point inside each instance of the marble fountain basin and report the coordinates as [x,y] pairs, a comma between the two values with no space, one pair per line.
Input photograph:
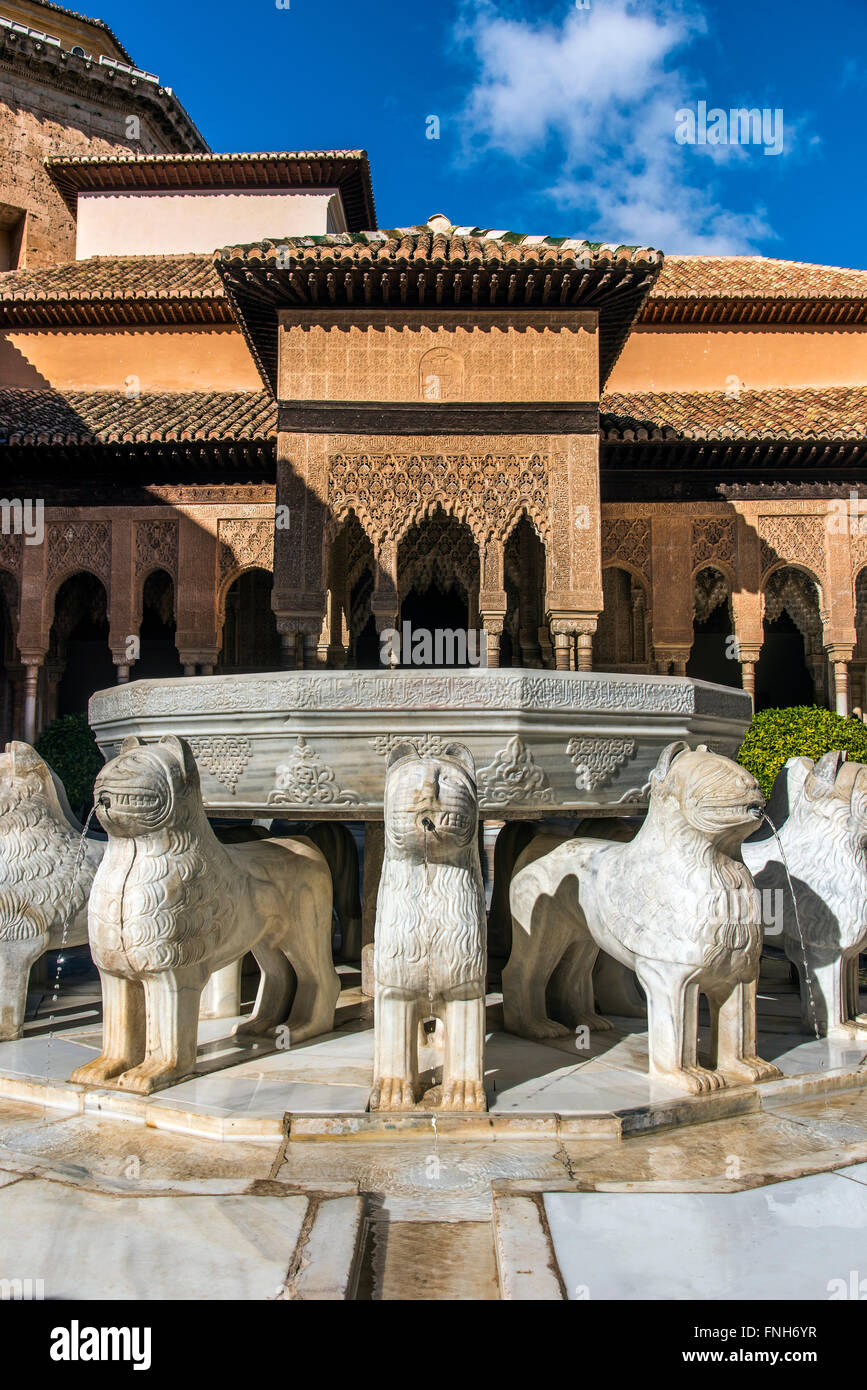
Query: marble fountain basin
[313,745]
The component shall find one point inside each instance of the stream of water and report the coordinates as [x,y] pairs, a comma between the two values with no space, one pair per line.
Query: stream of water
[807,977]
[67,923]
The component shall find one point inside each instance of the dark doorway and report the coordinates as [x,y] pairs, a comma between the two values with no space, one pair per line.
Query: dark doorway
[435,611]
[251,641]
[711,643]
[159,655]
[79,642]
[782,678]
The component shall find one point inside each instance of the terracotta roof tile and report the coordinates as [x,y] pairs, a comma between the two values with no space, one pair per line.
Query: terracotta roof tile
[736,277]
[116,289]
[100,276]
[465,245]
[756,289]
[781,413]
[109,417]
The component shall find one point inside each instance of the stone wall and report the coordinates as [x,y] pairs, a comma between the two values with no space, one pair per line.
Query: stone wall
[38,121]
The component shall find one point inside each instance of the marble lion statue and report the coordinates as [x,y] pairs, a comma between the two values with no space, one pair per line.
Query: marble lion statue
[675,904]
[170,905]
[821,813]
[39,841]
[429,954]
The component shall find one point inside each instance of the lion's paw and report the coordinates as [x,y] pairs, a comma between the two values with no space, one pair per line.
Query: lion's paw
[149,1076]
[595,1022]
[99,1071]
[545,1028]
[752,1069]
[253,1028]
[463,1095]
[699,1081]
[392,1093]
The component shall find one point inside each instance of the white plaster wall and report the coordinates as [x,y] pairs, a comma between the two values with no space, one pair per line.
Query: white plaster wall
[156,223]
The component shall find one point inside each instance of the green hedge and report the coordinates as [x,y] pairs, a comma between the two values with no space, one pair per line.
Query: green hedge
[776,735]
[68,746]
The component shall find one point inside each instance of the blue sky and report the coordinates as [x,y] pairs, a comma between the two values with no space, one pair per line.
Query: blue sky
[553,118]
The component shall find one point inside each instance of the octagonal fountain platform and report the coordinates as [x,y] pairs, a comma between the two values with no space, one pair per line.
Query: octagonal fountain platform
[314,744]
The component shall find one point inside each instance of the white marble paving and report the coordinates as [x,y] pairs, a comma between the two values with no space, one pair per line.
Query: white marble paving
[333,1074]
[147,1248]
[225,1095]
[787,1241]
[43,1057]
[857,1173]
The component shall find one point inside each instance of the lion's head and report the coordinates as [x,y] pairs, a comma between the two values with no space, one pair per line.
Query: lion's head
[831,793]
[29,786]
[717,797]
[431,806]
[148,787]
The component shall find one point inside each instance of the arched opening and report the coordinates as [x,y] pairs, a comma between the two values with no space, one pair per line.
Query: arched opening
[620,639]
[158,656]
[251,641]
[791,669]
[525,640]
[352,570]
[79,657]
[438,583]
[714,654]
[8,655]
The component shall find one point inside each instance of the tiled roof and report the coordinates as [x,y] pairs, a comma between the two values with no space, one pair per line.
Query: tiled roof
[150,289]
[297,170]
[756,289]
[435,267]
[782,413]
[469,246]
[109,417]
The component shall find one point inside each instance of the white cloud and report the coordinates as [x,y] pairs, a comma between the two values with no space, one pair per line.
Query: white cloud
[598,92]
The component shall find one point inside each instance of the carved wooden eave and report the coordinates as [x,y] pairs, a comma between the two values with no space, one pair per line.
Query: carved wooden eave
[696,469]
[758,311]
[292,170]
[415,268]
[74,474]
[122,310]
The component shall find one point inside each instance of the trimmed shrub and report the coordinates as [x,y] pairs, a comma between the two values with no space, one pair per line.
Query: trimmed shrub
[776,735]
[68,746]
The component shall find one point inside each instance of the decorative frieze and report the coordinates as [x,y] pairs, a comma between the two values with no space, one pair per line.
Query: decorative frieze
[245,543]
[513,776]
[390,492]
[713,538]
[626,541]
[597,759]
[793,539]
[156,546]
[305,779]
[79,545]
[225,758]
